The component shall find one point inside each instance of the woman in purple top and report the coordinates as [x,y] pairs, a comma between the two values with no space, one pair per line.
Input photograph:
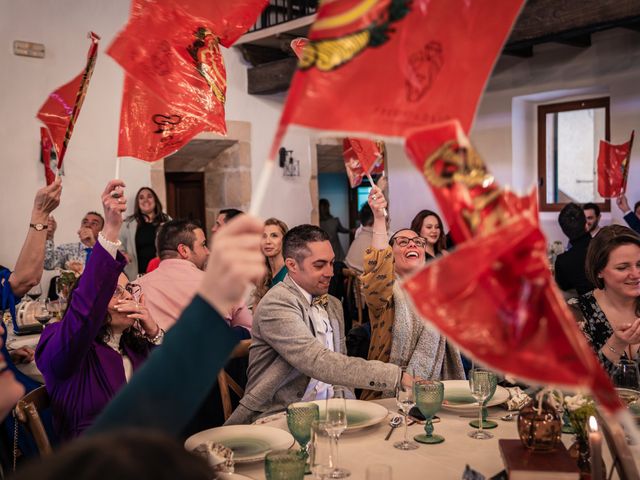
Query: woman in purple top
[88,356]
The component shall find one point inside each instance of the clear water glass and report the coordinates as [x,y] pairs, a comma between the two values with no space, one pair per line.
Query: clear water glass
[321,446]
[336,423]
[405,399]
[482,383]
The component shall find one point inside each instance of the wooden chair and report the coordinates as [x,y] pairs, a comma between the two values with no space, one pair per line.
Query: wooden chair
[27,413]
[354,290]
[226,383]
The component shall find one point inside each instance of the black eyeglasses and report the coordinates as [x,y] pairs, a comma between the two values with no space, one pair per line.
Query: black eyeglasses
[404,241]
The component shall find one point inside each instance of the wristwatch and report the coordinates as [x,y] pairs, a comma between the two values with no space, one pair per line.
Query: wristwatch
[38,227]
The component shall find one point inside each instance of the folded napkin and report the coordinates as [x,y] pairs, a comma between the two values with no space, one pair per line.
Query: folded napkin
[517,398]
[220,458]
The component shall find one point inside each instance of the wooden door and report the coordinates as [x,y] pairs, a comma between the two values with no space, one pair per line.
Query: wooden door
[185,195]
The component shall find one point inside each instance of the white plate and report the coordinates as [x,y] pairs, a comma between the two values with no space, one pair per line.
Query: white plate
[249,443]
[360,414]
[457,396]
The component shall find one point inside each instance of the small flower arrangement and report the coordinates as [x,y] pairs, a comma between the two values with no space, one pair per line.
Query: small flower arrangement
[579,408]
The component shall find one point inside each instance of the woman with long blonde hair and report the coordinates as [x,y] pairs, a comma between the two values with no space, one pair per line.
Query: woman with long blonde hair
[271,246]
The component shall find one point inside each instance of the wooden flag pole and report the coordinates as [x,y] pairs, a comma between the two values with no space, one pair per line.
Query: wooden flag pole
[386,214]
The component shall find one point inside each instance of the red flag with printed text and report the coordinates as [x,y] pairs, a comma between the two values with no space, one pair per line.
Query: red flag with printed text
[61,109]
[383,67]
[613,168]
[176,83]
[503,309]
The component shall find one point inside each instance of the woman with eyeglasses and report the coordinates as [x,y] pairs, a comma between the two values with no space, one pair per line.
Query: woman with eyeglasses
[104,336]
[398,335]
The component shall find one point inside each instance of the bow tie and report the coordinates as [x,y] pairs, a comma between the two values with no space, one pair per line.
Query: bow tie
[320,301]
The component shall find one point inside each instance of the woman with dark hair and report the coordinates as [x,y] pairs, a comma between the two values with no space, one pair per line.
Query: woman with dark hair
[397,334]
[333,227]
[271,247]
[429,226]
[608,315]
[88,356]
[138,235]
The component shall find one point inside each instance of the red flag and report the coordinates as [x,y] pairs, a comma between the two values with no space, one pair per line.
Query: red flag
[50,163]
[362,157]
[386,66]
[613,168]
[176,57]
[229,19]
[60,111]
[505,311]
[184,93]
[151,129]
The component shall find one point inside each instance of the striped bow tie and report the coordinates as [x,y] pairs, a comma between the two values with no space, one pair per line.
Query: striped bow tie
[321,301]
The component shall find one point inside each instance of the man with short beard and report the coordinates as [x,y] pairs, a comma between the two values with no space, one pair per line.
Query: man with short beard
[298,351]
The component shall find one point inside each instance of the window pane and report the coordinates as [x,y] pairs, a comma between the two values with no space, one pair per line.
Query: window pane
[572,152]
[363,195]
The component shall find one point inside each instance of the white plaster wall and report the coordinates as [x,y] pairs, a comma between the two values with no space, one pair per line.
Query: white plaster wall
[62,26]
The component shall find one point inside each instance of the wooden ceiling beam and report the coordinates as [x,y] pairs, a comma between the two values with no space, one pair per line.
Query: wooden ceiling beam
[541,19]
[272,77]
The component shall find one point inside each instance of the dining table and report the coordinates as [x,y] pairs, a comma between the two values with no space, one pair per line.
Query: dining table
[447,460]
[18,341]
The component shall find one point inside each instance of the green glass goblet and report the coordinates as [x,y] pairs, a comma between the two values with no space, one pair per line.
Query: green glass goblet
[429,395]
[486,424]
[300,416]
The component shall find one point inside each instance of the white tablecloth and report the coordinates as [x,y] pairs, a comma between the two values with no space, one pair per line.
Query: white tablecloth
[443,461]
[17,341]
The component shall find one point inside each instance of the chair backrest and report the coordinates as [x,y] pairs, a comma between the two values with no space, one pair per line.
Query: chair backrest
[226,383]
[354,290]
[27,413]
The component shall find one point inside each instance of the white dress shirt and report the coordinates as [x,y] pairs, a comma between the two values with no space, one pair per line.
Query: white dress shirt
[317,390]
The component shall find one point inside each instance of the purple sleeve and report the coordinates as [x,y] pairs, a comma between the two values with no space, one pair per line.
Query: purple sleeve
[63,346]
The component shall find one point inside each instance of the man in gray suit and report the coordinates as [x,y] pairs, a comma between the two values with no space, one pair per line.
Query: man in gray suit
[298,351]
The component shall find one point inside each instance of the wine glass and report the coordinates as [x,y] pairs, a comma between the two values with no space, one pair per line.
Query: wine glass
[35,292]
[300,416]
[626,375]
[405,399]
[481,382]
[336,419]
[485,411]
[42,313]
[62,287]
[429,395]
[321,446]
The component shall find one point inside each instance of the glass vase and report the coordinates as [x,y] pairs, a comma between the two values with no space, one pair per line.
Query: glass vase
[539,429]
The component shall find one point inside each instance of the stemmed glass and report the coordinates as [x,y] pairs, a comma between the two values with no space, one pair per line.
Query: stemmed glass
[626,375]
[321,447]
[62,287]
[35,292]
[429,396]
[482,383]
[336,423]
[300,416]
[405,400]
[485,411]
[42,313]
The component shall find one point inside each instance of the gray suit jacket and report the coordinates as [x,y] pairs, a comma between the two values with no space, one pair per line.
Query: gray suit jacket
[285,354]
